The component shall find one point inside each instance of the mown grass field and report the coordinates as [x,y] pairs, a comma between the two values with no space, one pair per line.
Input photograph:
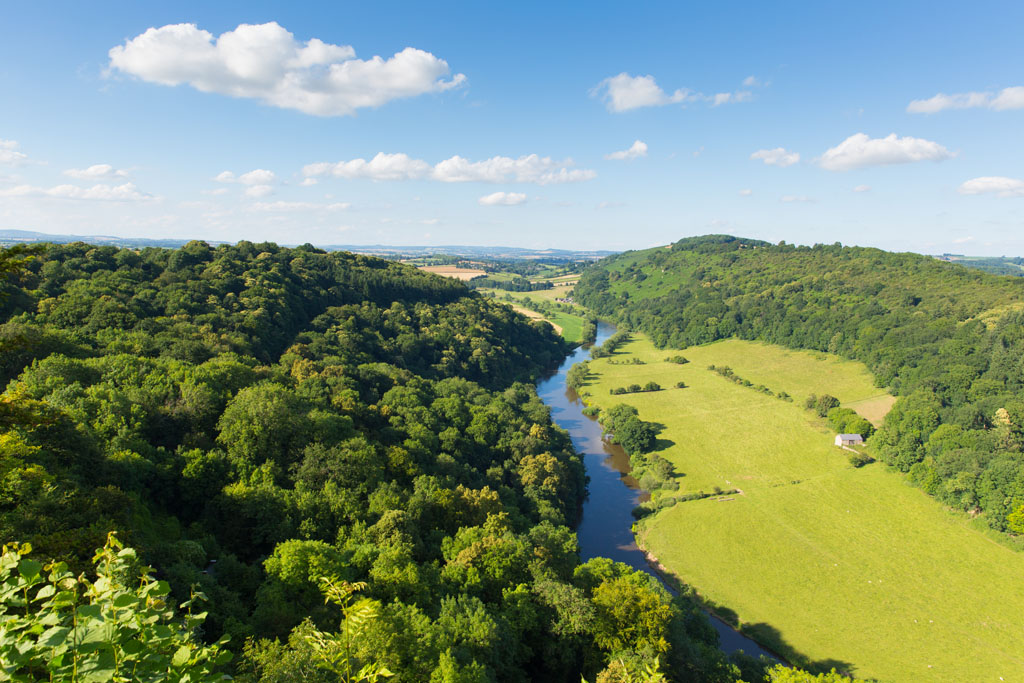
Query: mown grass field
[824,563]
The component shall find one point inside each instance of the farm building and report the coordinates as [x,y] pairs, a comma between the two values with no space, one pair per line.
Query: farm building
[849,439]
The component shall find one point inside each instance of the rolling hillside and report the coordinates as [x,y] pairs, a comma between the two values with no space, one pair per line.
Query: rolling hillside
[946,339]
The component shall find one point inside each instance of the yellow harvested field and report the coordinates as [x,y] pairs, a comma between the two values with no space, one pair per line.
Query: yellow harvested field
[534,315]
[453,271]
[874,409]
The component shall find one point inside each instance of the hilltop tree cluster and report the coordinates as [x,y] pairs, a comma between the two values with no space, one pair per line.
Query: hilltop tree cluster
[266,424]
[945,339]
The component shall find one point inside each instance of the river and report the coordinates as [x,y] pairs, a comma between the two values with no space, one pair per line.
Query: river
[605,529]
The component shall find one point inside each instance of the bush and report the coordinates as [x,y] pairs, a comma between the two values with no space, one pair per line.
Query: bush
[860,459]
[119,625]
[680,385]
[825,403]
[679,360]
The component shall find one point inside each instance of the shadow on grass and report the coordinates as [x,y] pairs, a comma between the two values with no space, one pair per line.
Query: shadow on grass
[662,444]
[771,638]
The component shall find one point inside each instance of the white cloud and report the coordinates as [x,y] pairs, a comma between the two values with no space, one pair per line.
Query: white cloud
[859,150]
[997,185]
[308,182]
[381,167]
[750,81]
[862,188]
[963,240]
[1007,98]
[258,176]
[525,169]
[609,205]
[746,192]
[789,198]
[265,62]
[258,190]
[731,97]
[96,172]
[298,206]
[9,154]
[638,149]
[216,191]
[624,92]
[114,193]
[776,157]
[503,199]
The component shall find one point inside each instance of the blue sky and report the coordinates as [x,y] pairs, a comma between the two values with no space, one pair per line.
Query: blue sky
[898,125]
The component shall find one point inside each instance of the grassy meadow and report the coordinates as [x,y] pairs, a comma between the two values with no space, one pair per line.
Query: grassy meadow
[568,325]
[822,562]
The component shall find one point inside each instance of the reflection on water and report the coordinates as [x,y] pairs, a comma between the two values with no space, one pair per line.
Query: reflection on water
[605,529]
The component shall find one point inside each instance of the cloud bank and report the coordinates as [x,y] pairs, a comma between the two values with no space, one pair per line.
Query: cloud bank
[9,154]
[265,62]
[97,172]
[776,157]
[1007,98]
[112,193]
[503,199]
[624,92]
[526,169]
[858,151]
[997,185]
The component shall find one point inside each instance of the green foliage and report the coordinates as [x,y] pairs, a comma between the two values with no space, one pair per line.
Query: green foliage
[846,421]
[576,377]
[625,428]
[860,459]
[1015,520]
[116,628]
[336,650]
[784,674]
[254,418]
[824,404]
[610,344]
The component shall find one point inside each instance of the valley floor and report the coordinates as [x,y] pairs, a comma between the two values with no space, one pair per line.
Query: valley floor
[824,563]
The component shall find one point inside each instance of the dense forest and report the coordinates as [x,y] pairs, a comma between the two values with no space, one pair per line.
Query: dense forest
[271,427]
[947,340]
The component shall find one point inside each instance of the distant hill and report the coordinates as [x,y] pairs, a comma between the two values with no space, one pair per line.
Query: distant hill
[947,339]
[997,265]
[9,237]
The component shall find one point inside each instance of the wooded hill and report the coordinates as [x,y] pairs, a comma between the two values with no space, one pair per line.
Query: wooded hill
[948,340]
[255,419]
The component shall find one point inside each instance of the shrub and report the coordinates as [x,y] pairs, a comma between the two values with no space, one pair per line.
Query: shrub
[860,459]
[119,627]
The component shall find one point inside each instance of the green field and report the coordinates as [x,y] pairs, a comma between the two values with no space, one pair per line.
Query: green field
[822,562]
[569,326]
